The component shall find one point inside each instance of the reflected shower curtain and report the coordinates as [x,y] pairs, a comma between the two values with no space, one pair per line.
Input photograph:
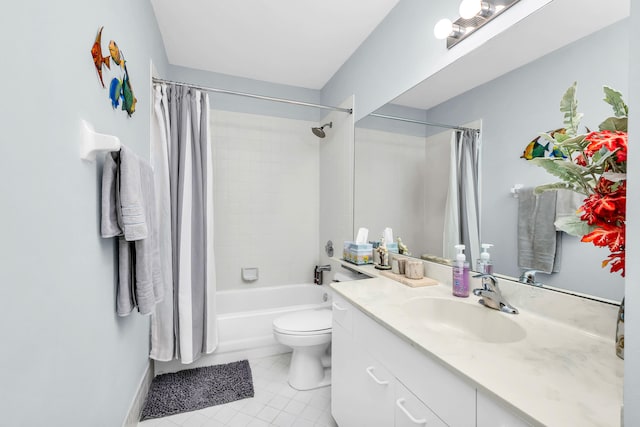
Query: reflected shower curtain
[462,218]
[184,327]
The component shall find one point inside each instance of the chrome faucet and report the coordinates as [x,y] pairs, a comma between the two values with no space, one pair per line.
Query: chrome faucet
[491,295]
[317,273]
[529,277]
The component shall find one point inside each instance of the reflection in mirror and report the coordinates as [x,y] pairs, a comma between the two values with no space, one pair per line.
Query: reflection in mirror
[402,168]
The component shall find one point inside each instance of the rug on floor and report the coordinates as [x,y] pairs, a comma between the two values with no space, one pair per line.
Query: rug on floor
[198,388]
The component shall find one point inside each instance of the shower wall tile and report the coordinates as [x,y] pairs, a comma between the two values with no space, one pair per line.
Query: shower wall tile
[266,189]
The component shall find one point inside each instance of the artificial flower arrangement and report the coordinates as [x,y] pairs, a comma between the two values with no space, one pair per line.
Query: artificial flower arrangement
[593,164]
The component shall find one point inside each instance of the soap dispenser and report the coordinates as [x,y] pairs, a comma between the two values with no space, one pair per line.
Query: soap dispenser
[460,273]
[485,266]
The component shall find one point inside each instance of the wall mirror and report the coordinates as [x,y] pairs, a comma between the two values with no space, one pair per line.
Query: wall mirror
[401,168]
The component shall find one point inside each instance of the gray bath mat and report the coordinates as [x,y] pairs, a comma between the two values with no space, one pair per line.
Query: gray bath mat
[197,388]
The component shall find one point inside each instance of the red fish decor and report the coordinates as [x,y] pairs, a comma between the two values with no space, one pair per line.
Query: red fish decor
[98,59]
[120,88]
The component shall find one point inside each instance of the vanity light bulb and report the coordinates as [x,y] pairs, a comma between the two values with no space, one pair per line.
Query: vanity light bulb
[470,8]
[443,28]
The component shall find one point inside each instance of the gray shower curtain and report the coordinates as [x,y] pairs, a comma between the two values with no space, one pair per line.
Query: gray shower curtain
[184,327]
[462,212]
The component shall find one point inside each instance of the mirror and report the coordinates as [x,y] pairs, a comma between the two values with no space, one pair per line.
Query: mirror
[401,168]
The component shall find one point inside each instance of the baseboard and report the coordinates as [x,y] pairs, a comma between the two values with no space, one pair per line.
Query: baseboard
[133,415]
[216,358]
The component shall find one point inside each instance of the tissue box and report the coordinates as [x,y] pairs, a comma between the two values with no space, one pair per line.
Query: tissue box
[358,253]
[391,247]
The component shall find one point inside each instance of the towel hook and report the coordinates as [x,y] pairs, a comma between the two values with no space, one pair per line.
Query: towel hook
[91,142]
[515,190]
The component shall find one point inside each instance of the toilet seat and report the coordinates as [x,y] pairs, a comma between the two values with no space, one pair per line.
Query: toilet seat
[307,322]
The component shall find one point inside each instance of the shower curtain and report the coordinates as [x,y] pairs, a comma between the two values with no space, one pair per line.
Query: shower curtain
[462,218]
[184,324]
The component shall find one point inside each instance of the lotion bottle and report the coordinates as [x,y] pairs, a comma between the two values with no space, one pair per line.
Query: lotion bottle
[460,273]
[485,266]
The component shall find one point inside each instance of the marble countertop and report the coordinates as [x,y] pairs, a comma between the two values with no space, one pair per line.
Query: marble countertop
[559,374]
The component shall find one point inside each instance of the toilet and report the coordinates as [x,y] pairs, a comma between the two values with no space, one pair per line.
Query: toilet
[308,333]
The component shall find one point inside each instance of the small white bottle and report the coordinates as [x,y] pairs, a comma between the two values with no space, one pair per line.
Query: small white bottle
[460,273]
[485,266]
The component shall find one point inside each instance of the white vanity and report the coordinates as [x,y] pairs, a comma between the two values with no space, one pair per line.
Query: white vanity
[398,360]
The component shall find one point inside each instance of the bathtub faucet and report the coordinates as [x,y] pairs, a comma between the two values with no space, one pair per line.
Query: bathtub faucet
[317,273]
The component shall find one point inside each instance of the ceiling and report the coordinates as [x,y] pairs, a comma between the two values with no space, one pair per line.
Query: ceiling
[292,42]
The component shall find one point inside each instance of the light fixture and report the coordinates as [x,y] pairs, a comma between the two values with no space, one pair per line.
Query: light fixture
[470,8]
[445,28]
[473,15]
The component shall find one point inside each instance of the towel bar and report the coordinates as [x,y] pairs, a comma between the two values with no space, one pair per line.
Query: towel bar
[91,142]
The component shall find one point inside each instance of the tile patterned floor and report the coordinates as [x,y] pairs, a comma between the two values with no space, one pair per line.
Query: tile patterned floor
[275,403]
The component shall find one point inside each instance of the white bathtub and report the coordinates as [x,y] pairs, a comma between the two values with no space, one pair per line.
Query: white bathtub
[245,317]
[245,322]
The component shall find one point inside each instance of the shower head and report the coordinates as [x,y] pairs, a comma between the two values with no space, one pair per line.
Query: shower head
[319,132]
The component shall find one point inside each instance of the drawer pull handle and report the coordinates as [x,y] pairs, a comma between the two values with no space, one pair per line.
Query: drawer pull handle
[376,379]
[337,307]
[400,404]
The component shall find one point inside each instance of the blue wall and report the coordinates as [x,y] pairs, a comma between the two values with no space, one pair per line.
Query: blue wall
[248,105]
[66,359]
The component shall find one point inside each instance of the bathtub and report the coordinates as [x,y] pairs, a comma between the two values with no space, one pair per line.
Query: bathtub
[245,317]
[245,322]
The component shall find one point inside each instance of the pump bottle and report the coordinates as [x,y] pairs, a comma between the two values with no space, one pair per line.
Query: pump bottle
[485,266]
[460,273]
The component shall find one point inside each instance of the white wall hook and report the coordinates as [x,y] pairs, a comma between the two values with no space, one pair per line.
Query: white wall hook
[515,190]
[91,142]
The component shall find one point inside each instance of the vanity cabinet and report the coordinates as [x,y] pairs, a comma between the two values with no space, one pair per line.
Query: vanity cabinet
[378,379]
[491,414]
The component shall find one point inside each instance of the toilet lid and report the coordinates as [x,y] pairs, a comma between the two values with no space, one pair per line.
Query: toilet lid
[304,321]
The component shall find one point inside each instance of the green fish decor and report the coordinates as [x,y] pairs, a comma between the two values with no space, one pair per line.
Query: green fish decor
[128,99]
[534,149]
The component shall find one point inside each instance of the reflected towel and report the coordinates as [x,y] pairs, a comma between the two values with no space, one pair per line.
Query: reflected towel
[539,244]
[567,203]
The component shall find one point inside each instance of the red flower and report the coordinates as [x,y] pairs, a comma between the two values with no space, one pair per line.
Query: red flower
[611,140]
[617,260]
[607,235]
[580,160]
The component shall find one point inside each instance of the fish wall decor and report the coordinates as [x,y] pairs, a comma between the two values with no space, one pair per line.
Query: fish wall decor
[536,149]
[98,59]
[120,88]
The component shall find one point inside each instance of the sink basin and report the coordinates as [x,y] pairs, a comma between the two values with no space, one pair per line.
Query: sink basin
[464,320]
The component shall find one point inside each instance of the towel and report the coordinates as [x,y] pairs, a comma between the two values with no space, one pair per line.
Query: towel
[129,213]
[539,244]
[567,203]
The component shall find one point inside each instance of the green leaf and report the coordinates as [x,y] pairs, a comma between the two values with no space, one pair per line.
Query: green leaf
[614,124]
[569,106]
[614,98]
[573,225]
[557,186]
[576,177]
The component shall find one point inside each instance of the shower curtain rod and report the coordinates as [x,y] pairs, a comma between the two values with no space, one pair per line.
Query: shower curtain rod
[251,95]
[440,125]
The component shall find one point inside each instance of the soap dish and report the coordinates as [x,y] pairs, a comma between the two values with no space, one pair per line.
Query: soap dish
[249,274]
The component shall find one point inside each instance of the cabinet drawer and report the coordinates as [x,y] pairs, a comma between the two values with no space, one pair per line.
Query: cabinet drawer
[411,412]
[342,312]
[441,390]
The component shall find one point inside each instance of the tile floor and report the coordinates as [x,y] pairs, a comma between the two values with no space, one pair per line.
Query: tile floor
[275,403]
